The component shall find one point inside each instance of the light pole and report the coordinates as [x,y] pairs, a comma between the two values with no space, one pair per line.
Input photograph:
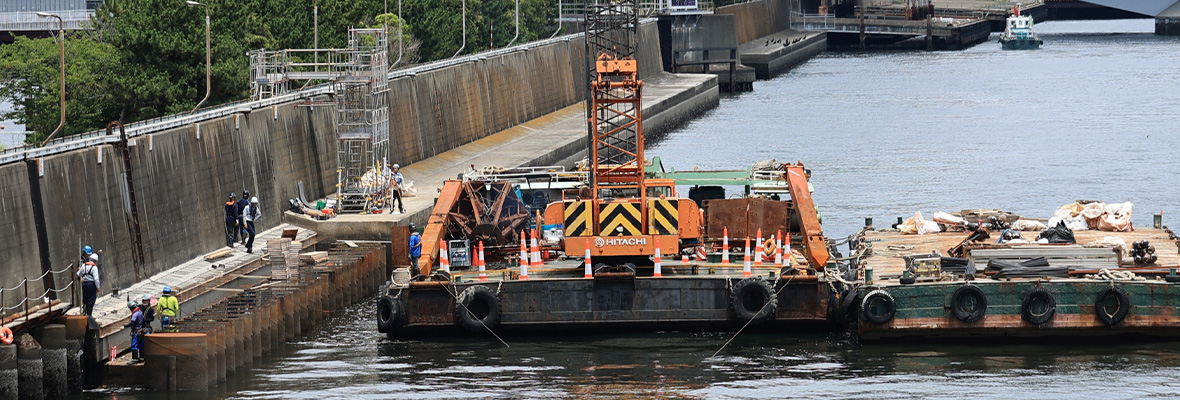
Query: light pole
[208,59]
[61,60]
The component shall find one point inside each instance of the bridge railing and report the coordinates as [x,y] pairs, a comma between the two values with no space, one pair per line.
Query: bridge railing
[813,22]
[29,21]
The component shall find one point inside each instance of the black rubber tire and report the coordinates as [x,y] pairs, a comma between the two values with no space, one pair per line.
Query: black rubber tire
[1120,313]
[907,280]
[753,300]
[1171,278]
[384,313]
[1042,295]
[478,309]
[959,301]
[869,310]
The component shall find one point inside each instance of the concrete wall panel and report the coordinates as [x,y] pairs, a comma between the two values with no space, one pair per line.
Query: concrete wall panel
[758,18]
[19,257]
[84,204]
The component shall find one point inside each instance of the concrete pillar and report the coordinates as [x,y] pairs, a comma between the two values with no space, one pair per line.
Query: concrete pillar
[9,378]
[221,353]
[29,368]
[76,326]
[53,360]
[233,347]
[177,361]
[242,339]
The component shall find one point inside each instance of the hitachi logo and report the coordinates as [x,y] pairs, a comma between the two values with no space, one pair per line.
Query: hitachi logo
[603,242]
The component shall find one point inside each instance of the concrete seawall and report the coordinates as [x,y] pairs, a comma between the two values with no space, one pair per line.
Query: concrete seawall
[182,175]
[760,18]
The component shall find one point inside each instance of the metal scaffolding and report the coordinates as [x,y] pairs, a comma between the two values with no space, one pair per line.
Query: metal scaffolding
[360,87]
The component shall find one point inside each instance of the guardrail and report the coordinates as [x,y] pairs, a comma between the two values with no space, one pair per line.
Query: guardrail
[135,129]
[25,299]
[29,21]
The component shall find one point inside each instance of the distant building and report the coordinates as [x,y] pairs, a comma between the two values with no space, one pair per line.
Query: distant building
[20,17]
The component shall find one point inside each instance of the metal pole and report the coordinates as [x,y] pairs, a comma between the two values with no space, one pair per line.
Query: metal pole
[208,57]
[401,37]
[559,11]
[517,18]
[61,60]
[315,44]
[464,31]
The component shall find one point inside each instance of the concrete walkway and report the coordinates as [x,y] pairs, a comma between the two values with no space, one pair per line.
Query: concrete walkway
[188,281]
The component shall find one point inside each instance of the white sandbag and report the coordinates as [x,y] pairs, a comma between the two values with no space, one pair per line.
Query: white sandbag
[947,219]
[408,190]
[1075,223]
[1028,225]
[924,226]
[1116,218]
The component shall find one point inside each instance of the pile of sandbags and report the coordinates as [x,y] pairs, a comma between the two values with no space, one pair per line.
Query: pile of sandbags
[1086,215]
[918,225]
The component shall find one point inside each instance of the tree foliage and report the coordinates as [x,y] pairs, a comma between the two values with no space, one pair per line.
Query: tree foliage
[146,58]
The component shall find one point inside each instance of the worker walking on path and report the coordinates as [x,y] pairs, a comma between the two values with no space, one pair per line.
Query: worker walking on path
[415,247]
[251,214]
[91,284]
[396,190]
[242,204]
[231,221]
[168,307]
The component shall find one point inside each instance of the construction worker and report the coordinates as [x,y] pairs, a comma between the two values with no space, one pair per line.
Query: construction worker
[231,221]
[136,327]
[168,307]
[252,213]
[87,251]
[396,190]
[91,284]
[415,247]
[149,312]
[242,204]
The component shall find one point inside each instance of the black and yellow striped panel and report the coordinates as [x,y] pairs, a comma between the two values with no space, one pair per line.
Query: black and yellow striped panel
[620,215]
[663,217]
[577,218]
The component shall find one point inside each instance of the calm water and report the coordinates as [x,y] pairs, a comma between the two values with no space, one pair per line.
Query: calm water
[1089,116]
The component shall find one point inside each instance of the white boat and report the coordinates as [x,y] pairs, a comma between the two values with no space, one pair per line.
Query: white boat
[1018,32]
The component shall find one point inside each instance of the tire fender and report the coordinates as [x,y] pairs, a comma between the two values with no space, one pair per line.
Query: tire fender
[1039,294]
[1120,313]
[959,298]
[478,309]
[753,300]
[868,307]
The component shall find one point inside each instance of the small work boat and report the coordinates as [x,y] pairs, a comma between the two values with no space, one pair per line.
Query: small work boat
[1018,32]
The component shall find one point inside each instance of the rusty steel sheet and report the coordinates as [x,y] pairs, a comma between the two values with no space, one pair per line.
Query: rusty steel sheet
[744,217]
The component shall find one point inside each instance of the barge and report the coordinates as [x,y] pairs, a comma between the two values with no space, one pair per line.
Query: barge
[726,262]
[1104,284]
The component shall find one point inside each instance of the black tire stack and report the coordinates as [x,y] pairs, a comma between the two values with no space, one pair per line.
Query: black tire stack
[1143,252]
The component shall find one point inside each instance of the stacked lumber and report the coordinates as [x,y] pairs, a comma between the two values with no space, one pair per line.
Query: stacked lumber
[276,250]
[1068,256]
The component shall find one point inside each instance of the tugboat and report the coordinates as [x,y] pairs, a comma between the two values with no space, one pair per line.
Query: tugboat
[1018,33]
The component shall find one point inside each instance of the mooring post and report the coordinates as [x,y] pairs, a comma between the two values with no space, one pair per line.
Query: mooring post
[929,33]
[861,20]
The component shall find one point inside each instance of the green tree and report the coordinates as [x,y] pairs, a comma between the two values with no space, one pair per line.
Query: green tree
[31,80]
[408,46]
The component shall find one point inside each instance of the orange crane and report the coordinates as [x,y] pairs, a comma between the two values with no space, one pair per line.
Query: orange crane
[623,217]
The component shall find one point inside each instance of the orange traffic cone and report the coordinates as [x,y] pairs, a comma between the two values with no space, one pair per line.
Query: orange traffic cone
[524,259]
[589,271]
[657,272]
[746,265]
[787,255]
[759,250]
[778,249]
[444,261]
[536,250]
[725,245]
[483,276]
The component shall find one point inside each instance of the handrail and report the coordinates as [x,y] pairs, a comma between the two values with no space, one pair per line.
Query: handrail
[26,299]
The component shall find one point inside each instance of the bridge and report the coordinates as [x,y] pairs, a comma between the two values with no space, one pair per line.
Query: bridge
[1166,12]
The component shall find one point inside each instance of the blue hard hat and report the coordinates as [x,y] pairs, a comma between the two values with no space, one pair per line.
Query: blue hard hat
[131,304]
[167,289]
[147,297]
[86,249]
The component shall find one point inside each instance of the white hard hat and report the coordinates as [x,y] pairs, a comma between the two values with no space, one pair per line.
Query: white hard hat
[94,257]
[254,199]
[397,166]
